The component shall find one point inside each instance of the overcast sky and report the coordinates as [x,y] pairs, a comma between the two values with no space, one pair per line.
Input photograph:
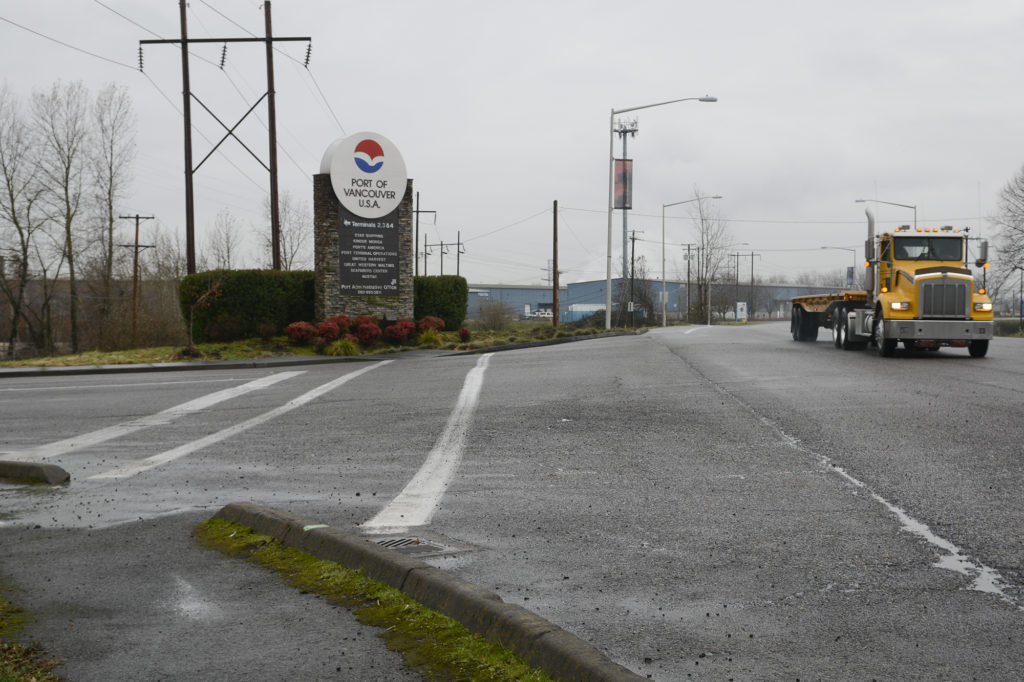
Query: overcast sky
[501,108]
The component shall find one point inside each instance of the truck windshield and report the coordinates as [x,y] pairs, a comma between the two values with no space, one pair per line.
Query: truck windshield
[927,248]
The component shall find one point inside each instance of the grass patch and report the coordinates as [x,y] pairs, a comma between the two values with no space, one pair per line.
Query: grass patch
[20,662]
[432,644]
[251,349]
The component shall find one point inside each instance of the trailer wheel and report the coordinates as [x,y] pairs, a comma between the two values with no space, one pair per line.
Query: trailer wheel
[804,325]
[978,348]
[838,328]
[886,347]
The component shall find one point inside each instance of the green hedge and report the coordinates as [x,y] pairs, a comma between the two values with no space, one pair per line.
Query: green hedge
[249,302]
[444,296]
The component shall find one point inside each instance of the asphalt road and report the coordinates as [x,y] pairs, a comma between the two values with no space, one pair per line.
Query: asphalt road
[721,503]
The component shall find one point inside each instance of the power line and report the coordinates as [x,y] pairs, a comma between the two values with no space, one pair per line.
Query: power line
[505,227]
[67,45]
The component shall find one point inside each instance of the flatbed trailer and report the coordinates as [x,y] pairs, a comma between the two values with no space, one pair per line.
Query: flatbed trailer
[814,311]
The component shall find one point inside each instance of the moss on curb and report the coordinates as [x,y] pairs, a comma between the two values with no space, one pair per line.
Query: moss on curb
[432,644]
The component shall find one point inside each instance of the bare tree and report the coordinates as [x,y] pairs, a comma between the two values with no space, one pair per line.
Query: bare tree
[223,242]
[296,230]
[61,116]
[21,217]
[110,166]
[712,248]
[1010,242]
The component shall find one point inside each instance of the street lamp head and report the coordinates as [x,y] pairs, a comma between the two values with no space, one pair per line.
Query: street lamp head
[707,98]
[859,201]
[717,196]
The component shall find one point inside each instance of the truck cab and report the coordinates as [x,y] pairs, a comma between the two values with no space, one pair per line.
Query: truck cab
[926,298]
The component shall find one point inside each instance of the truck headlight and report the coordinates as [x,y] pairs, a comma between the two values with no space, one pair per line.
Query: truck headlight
[983,307]
[900,305]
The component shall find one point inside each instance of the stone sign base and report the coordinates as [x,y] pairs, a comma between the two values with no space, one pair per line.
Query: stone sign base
[332,296]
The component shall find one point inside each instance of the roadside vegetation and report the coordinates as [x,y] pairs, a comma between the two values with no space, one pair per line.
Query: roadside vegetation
[475,337]
[432,644]
[21,662]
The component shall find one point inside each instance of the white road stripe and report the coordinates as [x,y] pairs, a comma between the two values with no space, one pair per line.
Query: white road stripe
[138,467]
[418,501]
[86,440]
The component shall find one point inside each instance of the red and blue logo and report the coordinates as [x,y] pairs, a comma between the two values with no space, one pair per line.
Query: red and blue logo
[369,156]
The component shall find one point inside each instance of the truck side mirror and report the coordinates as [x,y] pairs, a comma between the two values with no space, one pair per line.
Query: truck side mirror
[869,250]
[982,254]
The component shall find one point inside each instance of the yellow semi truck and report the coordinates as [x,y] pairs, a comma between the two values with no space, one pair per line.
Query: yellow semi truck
[917,289]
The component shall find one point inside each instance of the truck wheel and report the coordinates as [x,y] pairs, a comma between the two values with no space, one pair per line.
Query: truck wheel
[794,322]
[886,347]
[809,326]
[847,343]
[978,348]
[839,328]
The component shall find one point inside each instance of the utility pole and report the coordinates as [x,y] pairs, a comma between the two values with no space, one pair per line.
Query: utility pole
[554,266]
[187,96]
[688,281]
[460,249]
[426,252]
[632,277]
[417,240]
[444,250]
[624,129]
[135,271]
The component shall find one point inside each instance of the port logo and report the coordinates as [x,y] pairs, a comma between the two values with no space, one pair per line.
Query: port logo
[369,156]
[367,173]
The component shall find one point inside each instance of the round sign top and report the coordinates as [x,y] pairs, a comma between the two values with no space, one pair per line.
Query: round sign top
[367,173]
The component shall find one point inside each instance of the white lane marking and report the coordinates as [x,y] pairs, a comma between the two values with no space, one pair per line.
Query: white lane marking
[141,465]
[418,501]
[163,417]
[694,329]
[984,578]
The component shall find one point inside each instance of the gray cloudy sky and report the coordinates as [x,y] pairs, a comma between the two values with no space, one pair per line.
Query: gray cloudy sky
[501,108]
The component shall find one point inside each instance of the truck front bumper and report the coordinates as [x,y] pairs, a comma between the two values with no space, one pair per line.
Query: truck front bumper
[938,330]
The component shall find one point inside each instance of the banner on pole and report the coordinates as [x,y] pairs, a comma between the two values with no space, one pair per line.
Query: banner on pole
[624,183]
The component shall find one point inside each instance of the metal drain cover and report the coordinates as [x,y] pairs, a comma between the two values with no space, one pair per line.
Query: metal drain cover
[421,546]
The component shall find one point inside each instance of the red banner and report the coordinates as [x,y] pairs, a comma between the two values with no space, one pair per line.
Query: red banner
[624,183]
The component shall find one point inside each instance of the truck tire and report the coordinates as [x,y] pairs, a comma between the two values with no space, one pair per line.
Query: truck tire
[849,344]
[978,348]
[839,328]
[886,347]
[804,325]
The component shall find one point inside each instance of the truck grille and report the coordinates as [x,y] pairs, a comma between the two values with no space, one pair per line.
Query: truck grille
[945,298]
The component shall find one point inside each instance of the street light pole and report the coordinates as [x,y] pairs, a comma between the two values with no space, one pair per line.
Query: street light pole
[611,191]
[891,203]
[853,251]
[663,207]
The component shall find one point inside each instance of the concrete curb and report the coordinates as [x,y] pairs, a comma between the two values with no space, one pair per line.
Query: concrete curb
[548,342]
[284,361]
[31,471]
[540,643]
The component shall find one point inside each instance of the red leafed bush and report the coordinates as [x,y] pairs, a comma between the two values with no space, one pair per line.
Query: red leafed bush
[464,335]
[300,332]
[344,322]
[329,330]
[400,331]
[363,319]
[431,322]
[351,337]
[368,333]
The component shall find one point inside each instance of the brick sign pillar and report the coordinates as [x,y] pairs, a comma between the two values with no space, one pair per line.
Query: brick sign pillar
[363,231]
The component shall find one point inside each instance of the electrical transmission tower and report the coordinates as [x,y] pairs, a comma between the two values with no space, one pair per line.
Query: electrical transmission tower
[188,96]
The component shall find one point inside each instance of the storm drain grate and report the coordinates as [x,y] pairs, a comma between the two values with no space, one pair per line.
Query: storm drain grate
[415,546]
